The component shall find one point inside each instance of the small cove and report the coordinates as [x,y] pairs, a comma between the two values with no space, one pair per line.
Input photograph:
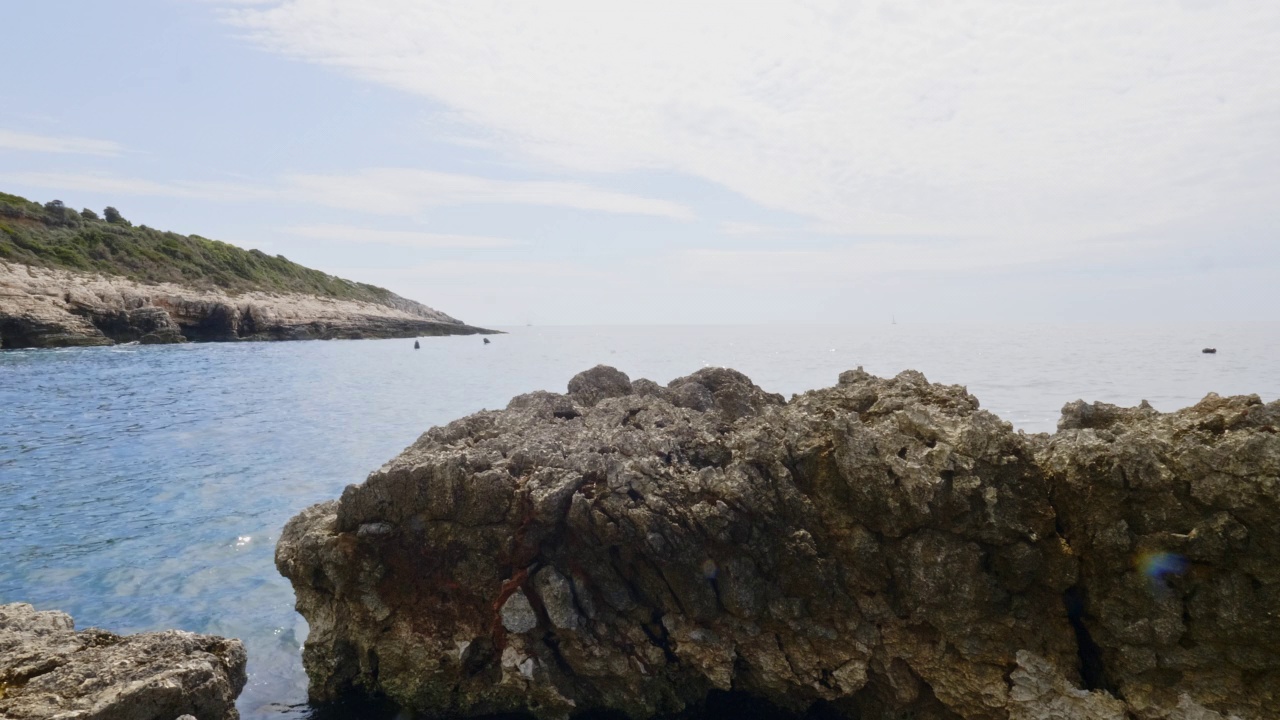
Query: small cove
[144,488]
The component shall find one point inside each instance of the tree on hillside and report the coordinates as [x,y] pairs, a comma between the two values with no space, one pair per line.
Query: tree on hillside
[59,214]
[113,216]
[88,214]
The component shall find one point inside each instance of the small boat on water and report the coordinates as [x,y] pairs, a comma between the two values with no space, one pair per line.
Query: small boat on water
[1209,351]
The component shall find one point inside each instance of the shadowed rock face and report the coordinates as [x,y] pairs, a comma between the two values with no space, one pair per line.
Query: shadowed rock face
[883,546]
[1197,490]
[48,670]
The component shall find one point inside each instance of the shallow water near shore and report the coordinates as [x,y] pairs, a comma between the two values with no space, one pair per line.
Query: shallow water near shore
[144,487]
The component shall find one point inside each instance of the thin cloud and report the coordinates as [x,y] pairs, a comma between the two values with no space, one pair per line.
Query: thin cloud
[885,258]
[401,238]
[1044,121]
[406,191]
[734,227]
[532,273]
[402,192]
[115,185]
[26,142]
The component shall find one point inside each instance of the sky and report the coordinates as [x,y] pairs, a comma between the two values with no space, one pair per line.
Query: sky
[668,162]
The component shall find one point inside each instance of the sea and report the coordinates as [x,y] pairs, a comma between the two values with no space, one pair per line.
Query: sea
[144,487]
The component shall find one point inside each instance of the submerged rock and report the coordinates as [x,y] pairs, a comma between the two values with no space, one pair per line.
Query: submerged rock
[48,670]
[883,546]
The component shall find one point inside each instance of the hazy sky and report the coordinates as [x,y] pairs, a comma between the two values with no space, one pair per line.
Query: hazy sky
[683,162]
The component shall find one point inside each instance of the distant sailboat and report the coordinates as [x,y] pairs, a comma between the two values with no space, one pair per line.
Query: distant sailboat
[893,319]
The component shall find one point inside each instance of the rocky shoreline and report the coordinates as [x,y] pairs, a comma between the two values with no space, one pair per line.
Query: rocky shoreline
[45,307]
[48,671]
[879,549]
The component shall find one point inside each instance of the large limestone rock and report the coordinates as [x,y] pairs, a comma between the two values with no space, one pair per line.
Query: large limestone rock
[1197,490]
[882,546]
[48,670]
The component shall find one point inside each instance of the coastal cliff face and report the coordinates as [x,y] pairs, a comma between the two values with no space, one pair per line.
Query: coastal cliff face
[883,548]
[44,307]
[48,671]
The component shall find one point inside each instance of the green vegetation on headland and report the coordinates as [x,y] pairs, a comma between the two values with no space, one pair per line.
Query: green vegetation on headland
[56,236]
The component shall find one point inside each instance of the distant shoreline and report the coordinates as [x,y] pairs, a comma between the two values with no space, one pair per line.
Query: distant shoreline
[70,279]
[51,308]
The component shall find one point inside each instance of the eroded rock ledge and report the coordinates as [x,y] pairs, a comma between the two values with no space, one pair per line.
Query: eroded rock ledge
[50,671]
[883,546]
[43,307]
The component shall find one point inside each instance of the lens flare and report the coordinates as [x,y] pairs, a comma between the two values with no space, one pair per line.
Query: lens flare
[1158,566]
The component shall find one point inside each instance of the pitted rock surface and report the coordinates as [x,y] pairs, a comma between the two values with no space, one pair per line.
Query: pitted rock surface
[50,671]
[1203,484]
[883,546]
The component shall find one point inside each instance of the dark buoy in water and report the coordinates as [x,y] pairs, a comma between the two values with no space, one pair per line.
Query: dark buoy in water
[486,341]
[1209,351]
[415,345]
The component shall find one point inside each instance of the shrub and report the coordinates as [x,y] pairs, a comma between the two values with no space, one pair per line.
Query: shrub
[88,214]
[114,217]
[56,213]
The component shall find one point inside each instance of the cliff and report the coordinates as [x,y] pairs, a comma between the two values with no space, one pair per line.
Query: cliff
[68,278]
[43,307]
[881,549]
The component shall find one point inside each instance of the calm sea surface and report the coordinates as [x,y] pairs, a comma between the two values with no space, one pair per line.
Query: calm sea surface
[144,488]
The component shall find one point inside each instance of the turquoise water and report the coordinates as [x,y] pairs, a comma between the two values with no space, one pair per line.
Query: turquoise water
[144,488]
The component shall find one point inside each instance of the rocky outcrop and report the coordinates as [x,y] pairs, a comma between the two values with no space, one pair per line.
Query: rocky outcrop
[883,547]
[1175,519]
[42,307]
[48,670]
